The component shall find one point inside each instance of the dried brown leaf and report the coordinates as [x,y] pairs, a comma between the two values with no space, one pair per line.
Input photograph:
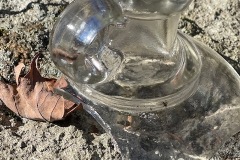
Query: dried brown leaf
[34,98]
[7,95]
[18,70]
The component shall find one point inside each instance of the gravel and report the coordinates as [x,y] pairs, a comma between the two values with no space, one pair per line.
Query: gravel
[25,28]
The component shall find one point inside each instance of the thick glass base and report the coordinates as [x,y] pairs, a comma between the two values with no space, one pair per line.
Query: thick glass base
[193,129]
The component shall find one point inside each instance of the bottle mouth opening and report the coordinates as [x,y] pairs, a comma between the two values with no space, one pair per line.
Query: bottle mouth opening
[135,106]
[186,88]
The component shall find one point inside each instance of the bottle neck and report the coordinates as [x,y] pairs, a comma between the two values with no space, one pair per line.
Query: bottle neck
[165,30]
[150,50]
[146,35]
[153,7]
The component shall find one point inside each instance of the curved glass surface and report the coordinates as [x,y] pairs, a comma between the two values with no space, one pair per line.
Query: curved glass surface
[159,93]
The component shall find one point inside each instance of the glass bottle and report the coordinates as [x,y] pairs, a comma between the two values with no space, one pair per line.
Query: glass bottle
[160,93]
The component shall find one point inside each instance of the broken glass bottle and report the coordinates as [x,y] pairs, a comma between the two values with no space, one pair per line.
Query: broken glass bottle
[158,92]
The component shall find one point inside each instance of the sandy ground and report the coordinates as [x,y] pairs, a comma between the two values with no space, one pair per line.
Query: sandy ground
[24,31]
